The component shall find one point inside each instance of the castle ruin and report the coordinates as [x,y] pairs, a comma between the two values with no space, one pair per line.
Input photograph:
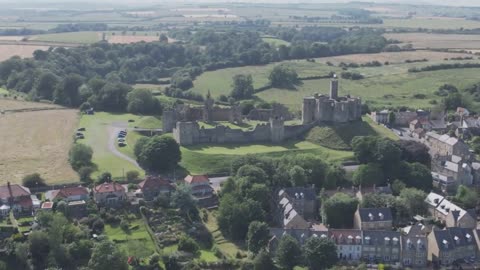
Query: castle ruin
[334,109]
[183,120]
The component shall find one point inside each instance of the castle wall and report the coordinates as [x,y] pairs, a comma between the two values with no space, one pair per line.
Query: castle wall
[168,120]
[295,131]
[221,114]
[308,110]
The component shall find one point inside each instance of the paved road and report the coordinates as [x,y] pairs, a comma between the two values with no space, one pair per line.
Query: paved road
[113,131]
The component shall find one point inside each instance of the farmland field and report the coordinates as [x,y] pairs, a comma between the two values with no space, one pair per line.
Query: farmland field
[437,41]
[9,104]
[130,39]
[73,37]
[275,41]
[24,51]
[432,23]
[37,142]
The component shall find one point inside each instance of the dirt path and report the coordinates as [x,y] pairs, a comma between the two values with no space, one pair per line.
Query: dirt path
[113,131]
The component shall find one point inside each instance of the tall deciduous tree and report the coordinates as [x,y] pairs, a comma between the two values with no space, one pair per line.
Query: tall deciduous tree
[289,253]
[257,236]
[320,253]
[338,210]
[160,153]
[263,261]
[283,76]
[107,256]
[242,86]
[80,155]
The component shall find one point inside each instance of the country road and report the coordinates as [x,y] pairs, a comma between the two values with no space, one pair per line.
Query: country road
[113,131]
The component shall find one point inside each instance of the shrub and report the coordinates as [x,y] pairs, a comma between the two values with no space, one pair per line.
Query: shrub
[188,244]
[33,180]
[132,175]
[124,225]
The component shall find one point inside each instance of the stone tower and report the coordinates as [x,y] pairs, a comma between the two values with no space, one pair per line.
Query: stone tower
[277,129]
[207,109]
[334,87]
[168,120]
[308,110]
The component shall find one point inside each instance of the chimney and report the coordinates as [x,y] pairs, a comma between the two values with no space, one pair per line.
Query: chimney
[334,87]
[380,215]
[370,216]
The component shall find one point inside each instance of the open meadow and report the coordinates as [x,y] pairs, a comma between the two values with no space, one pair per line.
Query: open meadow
[437,41]
[24,51]
[72,37]
[387,85]
[37,142]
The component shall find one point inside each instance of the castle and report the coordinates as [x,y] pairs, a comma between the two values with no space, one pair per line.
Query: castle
[335,109]
[182,120]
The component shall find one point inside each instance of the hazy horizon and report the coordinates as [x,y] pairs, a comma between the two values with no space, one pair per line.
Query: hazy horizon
[152,2]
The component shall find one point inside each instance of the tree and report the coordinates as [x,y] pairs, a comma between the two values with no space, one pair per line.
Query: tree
[413,151]
[142,101]
[45,85]
[476,144]
[257,236]
[415,201]
[160,153]
[363,148]
[33,180]
[242,87]
[163,38]
[418,176]
[335,177]
[391,118]
[67,91]
[139,145]
[85,173]
[132,175]
[263,261]
[235,215]
[453,101]
[368,175]
[338,210]
[39,248]
[188,244]
[112,97]
[320,253]
[107,256]
[468,197]
[297,176]
[288,253]
[80,155]
[283,76]
[182,199]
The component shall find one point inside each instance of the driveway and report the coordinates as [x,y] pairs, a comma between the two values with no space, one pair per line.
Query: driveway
[113,131]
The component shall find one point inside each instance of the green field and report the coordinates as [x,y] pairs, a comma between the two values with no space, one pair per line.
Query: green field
[137,233]
[73,37]
[432,23]
[340,136]
[275,41]
[97,136]
[3,91]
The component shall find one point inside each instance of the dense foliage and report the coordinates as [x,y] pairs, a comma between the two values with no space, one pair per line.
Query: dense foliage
[158,153]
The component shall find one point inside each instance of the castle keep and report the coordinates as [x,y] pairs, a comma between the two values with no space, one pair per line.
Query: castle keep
[182,121]
[335,109]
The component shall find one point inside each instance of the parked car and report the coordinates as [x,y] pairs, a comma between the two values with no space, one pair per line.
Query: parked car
[122,144]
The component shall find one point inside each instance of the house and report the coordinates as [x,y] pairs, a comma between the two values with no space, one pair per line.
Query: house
[453,167]
[348,242]
[380,117]
[415,245]
[303,199]
[153,186]
[109,194]
[17,197]
[200,185]
[381,246]
[47,206]
[450,245]
[301,235]
[362,191]
[77,209]
[444,182]
[373,219]
[68,194]
[444,146]
[449,213]
[289,218]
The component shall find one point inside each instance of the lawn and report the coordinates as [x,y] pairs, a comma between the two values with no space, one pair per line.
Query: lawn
[138,232]
[340,136]
[97,135]
[205,255]
[200,159]
[386,86]
[72,37]
[3,91]
[225,246]
[275,41]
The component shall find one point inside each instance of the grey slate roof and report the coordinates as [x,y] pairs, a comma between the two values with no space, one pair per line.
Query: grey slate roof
[451,238]
[377,238]
[375,214]
[294,192]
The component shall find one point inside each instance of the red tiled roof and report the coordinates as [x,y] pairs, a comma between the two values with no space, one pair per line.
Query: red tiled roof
[14,191]
[25,202]
[71,191]
[196,179]
[152,182]
[47,205]
[108,187]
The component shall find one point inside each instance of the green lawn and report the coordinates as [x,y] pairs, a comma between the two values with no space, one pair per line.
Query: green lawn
[3,91]
[122,238]
[205,255]
[97,136]
[226,247]
[340,136]
[275,41]
[72,37]
[148,122]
